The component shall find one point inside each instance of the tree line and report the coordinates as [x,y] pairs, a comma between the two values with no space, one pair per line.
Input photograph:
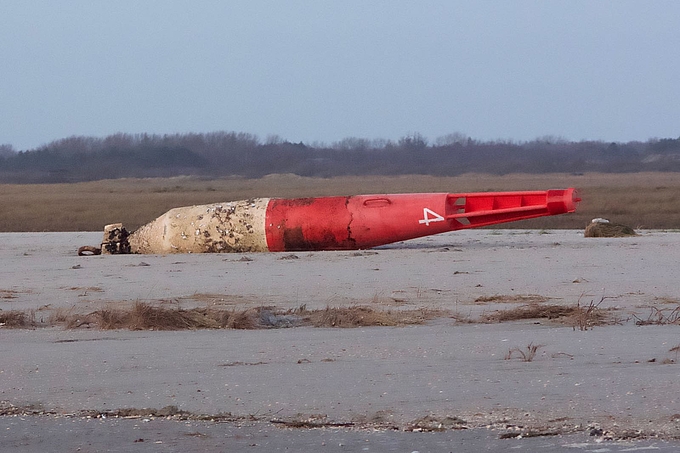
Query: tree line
[217,154]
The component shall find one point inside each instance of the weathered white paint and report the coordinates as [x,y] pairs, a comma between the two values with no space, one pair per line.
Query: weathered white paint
[235,226]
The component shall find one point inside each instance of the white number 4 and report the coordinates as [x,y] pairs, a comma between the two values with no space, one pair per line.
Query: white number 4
[430,216]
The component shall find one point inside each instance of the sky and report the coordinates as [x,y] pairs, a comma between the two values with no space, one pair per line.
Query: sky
[321,71]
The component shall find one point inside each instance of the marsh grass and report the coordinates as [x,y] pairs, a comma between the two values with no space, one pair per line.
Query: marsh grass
[644,200]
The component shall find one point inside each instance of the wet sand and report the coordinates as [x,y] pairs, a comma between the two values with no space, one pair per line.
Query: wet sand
[619,380]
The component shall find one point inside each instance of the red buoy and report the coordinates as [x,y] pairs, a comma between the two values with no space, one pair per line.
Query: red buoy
[329,223]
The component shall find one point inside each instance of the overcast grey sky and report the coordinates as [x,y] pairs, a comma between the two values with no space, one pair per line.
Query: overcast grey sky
[322,71]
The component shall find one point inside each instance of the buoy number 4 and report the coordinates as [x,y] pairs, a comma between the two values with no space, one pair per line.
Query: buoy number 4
[430,216]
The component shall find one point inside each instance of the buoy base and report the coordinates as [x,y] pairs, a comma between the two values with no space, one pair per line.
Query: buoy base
[115,240]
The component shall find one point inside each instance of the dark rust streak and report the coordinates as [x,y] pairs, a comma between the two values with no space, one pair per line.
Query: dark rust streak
[350,239]
[296,202]
[294,239]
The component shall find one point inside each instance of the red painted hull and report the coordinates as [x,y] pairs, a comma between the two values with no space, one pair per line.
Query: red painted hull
[364,221]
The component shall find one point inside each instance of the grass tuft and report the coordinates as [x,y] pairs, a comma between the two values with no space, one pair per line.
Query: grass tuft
[608,230]
[577,316]
[17,319]
[527,354]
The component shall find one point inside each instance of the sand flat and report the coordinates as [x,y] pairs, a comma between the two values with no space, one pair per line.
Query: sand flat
[621,377]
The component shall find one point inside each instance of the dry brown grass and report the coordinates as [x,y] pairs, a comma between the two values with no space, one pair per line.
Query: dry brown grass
[364,317]
[511,299]
[144,316]
[646,200]
[147,317]
[17,319]
[63,316]
[581,317]
[526,355]
[659,317]
[586,317]
[532,311]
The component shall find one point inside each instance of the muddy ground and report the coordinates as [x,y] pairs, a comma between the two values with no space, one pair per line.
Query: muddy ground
[616,382]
